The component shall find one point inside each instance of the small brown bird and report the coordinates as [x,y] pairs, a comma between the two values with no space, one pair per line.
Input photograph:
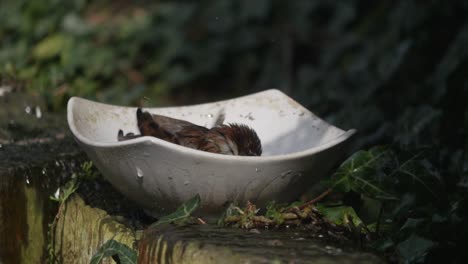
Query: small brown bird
[231,139]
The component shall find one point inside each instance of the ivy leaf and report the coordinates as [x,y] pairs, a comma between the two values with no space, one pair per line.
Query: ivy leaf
[414,249]
[364,172]
[412,224]
[50,46]
[418,176]
[340,214]
[114,248]
[182,213]
[68,189]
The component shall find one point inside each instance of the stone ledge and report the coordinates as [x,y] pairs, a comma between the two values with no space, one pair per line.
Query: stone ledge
[213,244]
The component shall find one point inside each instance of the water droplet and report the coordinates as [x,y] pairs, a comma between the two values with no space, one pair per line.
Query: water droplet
[44,171]
[210,115]
[27,180]
[186,182]
[38,112]
[57,163]
[320,235]
[139,172]
[27,109]
[57,193]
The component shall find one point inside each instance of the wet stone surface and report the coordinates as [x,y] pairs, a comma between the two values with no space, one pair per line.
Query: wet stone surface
[37,155]
[211,244]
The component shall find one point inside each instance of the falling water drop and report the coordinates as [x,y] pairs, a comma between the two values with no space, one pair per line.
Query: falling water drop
[27,180]
[139,173]
[57,193]
[38,112]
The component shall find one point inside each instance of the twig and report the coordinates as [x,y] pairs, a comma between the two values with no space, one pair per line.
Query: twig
[201,221]
[317,199]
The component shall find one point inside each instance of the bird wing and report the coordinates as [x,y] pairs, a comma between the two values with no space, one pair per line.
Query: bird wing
[172,125]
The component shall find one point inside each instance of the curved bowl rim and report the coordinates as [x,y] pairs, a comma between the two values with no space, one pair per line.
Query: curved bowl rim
[188,151]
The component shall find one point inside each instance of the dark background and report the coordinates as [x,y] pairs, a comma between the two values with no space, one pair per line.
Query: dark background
[395,70]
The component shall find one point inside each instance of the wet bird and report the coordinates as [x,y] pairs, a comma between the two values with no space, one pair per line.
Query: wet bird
[230,139]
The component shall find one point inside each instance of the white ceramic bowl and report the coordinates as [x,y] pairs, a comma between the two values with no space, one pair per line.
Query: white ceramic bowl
[299,149]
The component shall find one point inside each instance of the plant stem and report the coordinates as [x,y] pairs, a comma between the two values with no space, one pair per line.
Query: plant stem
[316,199]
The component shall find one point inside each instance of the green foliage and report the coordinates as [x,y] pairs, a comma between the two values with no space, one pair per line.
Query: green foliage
[381,174]
[340,215]
[87,172]
[334,224]
[116,250]
[358,174]
[182,214]
[414,249]
[275,213]
[246,218]
[406,224]
[68,189]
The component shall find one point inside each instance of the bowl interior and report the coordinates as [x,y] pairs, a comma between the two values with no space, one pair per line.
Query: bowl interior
[282,124]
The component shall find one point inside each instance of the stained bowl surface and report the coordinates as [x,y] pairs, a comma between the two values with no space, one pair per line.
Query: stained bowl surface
[299,149]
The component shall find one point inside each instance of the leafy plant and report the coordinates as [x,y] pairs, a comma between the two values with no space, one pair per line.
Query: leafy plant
[340,215]
[364,172]
[86,172]
[409,192]
[182,214]
[121,253]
